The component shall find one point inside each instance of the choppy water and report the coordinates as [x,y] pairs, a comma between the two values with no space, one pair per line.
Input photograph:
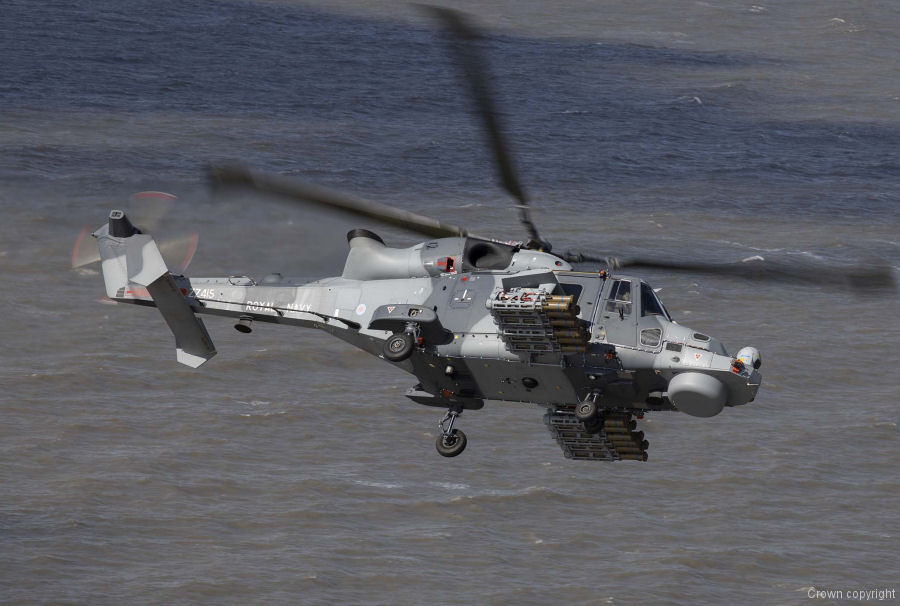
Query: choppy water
[290,469]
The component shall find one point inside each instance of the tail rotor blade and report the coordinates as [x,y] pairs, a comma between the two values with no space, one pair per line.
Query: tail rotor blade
[179,251]
[85,251]
[146,209]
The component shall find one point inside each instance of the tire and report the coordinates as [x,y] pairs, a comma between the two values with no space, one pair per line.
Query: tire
[586,411]
[452,445]
[398,347]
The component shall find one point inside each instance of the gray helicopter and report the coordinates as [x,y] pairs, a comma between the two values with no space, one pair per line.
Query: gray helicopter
[472,318]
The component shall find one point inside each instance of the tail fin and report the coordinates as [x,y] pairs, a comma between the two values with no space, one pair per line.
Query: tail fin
[128,258]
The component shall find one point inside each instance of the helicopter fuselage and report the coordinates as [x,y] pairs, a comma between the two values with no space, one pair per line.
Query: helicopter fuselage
[487,321]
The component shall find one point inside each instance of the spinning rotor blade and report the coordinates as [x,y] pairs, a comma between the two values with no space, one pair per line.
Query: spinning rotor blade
[858,277]
[85,252]
[464,43]
[146,209]
[149,207]
[328,198]
[178,252]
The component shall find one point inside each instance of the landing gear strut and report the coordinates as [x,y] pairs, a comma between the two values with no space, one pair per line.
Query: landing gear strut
[452,441]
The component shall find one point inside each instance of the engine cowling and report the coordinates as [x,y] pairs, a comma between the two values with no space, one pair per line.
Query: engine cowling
[371,259]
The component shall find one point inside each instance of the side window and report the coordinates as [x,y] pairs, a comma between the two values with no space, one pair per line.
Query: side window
[651,337]
[650,305]
[620,298]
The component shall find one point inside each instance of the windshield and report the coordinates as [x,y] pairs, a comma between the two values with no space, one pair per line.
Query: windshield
[650,304]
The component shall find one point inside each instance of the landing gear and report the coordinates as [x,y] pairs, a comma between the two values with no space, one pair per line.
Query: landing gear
[587,410]
[399,346]
[452,441]
[452,444]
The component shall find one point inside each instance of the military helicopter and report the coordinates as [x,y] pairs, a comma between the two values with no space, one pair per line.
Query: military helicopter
[471,317]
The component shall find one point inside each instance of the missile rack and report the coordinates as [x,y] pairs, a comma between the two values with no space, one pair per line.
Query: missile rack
[531,320]
[609,438]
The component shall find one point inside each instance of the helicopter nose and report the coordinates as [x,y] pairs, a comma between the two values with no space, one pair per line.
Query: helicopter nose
[750,357]
[697,394]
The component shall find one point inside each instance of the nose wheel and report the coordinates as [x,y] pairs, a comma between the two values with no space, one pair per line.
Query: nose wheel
[452,441]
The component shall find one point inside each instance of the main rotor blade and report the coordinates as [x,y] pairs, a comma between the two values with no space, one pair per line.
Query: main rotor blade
[870,278]
[320,196]
[464,43]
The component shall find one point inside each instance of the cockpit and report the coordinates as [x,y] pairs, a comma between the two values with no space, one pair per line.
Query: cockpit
[620,299]
[631,314]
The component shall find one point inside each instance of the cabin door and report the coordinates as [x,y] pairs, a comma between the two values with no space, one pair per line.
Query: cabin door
[617,314]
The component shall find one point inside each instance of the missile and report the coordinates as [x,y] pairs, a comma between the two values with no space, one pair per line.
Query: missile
[641,456]
[628,451]
[564,323]
[570,332]
[572,349]
[626,442]
[623,441]
[556,307]
[558,299]
[619,425]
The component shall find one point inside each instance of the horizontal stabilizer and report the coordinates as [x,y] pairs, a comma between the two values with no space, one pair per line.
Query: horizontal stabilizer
[190,359]
[192,342]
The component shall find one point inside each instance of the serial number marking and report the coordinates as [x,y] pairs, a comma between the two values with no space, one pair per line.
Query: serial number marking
[269,305]
[202,293]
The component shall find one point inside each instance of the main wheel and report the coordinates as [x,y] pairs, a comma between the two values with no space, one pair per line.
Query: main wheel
[452,445]
[586,411]
[399,346]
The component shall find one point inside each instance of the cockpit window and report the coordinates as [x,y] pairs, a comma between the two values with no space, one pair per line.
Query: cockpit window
[650,305]
[651,337]
[620,297]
